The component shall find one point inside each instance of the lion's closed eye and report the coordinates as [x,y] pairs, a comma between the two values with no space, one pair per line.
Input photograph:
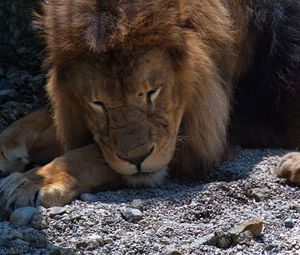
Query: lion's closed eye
[152,95]
[98,106]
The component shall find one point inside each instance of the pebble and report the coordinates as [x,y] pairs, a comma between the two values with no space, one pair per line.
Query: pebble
[260,194]
[289,223]
[131,214]
[57,210]
[88,197]
[172,251]
[223,239]
[91,242]
[254,226]
[209,239]
[137,203]
[74,215]
[39,222]
[22,216]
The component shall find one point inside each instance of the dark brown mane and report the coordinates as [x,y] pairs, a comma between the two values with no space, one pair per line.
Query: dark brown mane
[74,27]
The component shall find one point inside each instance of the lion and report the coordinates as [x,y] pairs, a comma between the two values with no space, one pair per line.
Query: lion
[139,89]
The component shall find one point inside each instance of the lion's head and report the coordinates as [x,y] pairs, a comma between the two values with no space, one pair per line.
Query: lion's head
[135,77]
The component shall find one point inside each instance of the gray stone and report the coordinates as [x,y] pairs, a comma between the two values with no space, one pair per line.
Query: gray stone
[289,223]
[172,251]
[223,239]
[22,216]
[39,222]
[131,214]
[90,242]
[137,203]
[88,197]
[209,239]
[57,210]
[74,215]
[260,194]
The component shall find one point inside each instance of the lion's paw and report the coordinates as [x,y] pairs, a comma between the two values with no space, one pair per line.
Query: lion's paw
[289,168]
[13,155]
[32,189]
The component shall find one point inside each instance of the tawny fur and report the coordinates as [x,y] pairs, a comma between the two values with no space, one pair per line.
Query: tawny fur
[180,116]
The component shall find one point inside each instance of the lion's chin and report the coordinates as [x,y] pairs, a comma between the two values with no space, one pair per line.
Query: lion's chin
[146,179]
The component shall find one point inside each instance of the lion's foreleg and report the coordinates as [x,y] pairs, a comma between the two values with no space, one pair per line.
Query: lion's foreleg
[17,140]
[60,181]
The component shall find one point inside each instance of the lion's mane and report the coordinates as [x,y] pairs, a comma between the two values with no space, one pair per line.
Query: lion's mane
[209,42]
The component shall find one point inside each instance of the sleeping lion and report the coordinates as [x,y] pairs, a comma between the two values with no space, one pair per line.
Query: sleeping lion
[141,88]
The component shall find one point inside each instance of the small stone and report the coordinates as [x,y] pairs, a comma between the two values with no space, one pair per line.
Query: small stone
[74,215]
[243,238]
[39,222]
[22,216]
[107,240]
[254,226]
[91,242]
[172,251]
[137,203]
[131,214]
[57,210]
[88,197]
[289,223]
[209,239]
[259,194]
[295,207]
[223,239]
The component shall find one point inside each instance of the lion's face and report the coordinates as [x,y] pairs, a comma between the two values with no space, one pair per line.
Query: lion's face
[133,109]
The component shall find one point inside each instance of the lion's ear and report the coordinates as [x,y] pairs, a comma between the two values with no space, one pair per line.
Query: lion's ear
[68,116]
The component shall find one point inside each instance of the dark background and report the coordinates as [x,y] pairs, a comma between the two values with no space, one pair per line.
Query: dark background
[21,54]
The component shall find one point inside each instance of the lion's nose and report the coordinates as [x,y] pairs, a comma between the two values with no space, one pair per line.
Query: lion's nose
[137,160]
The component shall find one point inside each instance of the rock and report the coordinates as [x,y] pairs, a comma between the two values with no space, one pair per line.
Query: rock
[209,239]
[289,223]
[295,207]
[131,214]
[243,238]
[172,251]
[255,227]
[39,222]
[57,210]
[223,239]
[74,215]
[91,242]
[108,240]
[137,203]
[260,194]
[88,197]
[22,216]
[219,239]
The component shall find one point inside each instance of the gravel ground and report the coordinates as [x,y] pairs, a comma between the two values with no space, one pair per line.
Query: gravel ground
[180,217]
[177,218]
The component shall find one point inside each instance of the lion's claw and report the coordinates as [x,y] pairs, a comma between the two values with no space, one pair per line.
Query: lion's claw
[289,168]
[17,191]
